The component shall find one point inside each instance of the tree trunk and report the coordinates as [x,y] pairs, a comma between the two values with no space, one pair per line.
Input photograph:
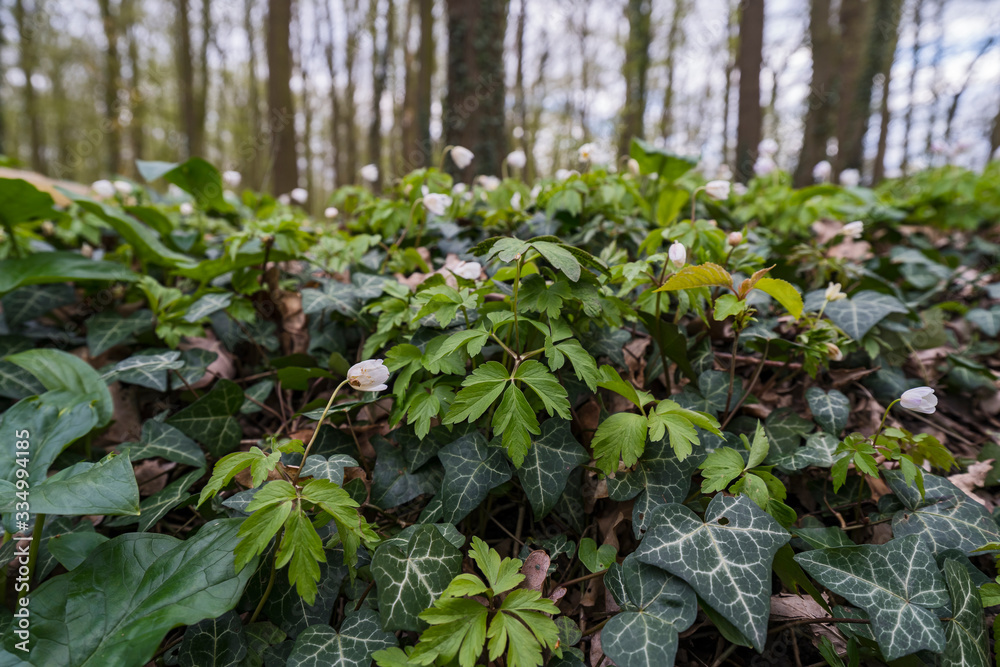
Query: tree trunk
[250,150]
[348,124]
[185,71]
[953,107]
[520,103]
[28,32]
[380,70]
[675,39]
[855,80]
[474,109]
[538,90]
[936,77]
[819,112]
[749,60]
[427,65]
[281,111]
[892,38]
[3,125]
[201,91]
[908,118]
[732,36]
[995,135]
[112,84]
[634,72]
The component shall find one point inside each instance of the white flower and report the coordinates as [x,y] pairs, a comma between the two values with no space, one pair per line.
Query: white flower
[854,229]
[585,153]
[739,189]
[232,179]
[822,171]
[123,187]
[285,199]
[767,147]
[833,292]
[461,156]
[718,189]
[919,399]
[535,191]
[187,208]
[468,270]
[724,173]
[564,174]
[331,212]
[515,201]
[48,228]
[437,203]
[369,172]
[488,183]
[735,238]
[677,254]
[103,188]
[834,352]
[764,166]
[369,375]
[299,195]
[633,167]
[517,159]
[850,178]
[459,188]
[87,250]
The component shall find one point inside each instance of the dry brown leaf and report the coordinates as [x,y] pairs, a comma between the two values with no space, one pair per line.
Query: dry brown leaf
[535,570]
[151,475]
[224,365]
[974,478]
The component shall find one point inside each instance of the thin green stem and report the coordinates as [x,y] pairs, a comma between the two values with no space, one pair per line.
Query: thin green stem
[36,544]
[694,200]
[270,587]
[329,404]
[732,370]
[881,426]
[517,283]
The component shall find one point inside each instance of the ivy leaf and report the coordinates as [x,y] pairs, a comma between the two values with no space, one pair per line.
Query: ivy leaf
[858,314]
[966,643]
[163,440]
[705,275]
[784,293]
[210,421]
[471,470]
[214,641]
[659,478]
[331,468]
[596,559]
[945,518]
[392,481]
[726,558]
[146,370]
[25,304]
[552,457]
[353,646]
[656,607]
[481,389]
[830,409]
[897,583]
[411,574]
[620,437]
[987,321]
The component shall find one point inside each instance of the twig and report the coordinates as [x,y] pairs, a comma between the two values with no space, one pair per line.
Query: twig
[596,628]
[368,589]
[811,621]
[184,380]
[749,388]
[592,575]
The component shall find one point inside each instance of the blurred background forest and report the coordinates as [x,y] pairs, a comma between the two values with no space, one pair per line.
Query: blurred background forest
[305,93]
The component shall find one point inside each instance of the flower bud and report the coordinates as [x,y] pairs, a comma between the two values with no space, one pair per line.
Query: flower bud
[735,238]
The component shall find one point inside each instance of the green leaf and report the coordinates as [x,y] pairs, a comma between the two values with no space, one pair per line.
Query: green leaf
[945,518]
[859,313]
[352,528]
[830,409]
[458,628]
[392,482]
[20,201]
[107,487]
[72,549]
[704,275]
[145,240]
[481,389]
[214,641]
[545,385]
[58,267]
[199,179]
[523,629]
[620,437]
[410,575]
[784,293]
[659,478]
[720,468]
[332,468]
[516,422]
[228,466]
[726,558]
[553,456]
[302,550]
[671,340]
[28,303]
[897,583]
[671,419]
[212,302]
[559,257]
[653,160]
[139,587]
[966,643]
[146,370]
[596,559]
[471,470]
[613,381]
[656,607]
[159,439]
[726,306]
[155,507]
[62,371]
[502,574]
[353,646]
[210,420]
[987,321]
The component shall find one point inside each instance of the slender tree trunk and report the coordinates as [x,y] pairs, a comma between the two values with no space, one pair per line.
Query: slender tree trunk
[281,110]
[675,39]
[201,92]
[878,168]
[380,70]
[995,135]
[250,151]
[328,50]
[299,57]
[3,125]
[819,112]
[538,92]
[112,84]
[408,114]
[908,117]
[130,9]
[582,10]
[727,87]
[63,168]
[349,126]
[749,60]
[855,82]
[520,104]
[28,32]
[936,77]
[185,71]
[953,107]
[474,109]
[427,65]
[635,71]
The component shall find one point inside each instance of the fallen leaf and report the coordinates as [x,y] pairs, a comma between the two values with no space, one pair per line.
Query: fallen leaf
[974,478]
[535,570]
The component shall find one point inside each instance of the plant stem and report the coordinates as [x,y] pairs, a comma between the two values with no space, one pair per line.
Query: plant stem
[36,543]
[732,371]
[586,577]
[329,404]
[517,282]
[694,200]
[270,586]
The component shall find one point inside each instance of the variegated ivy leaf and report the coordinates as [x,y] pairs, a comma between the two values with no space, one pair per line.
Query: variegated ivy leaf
[945,518]
[552,457]
[146,370]
[897,583]
[214,641]
[353,646]
[392,482]
[656,607]
[107,329]
[819,450]
[659,478]
[859,313]
[209,420]
[163,440]
[471,470]
[331,468]
[25,304]
[830,409]
[726,558]
[411,574]
[966,643]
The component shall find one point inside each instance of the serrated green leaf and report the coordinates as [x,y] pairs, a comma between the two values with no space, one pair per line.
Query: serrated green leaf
[545,385]
[550,460]
[726,558]
[704,275]
[516,422]
[480,390]
[727,306]
[720,468]
[411,574]
[783,292]
[897,583]
[619,438]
